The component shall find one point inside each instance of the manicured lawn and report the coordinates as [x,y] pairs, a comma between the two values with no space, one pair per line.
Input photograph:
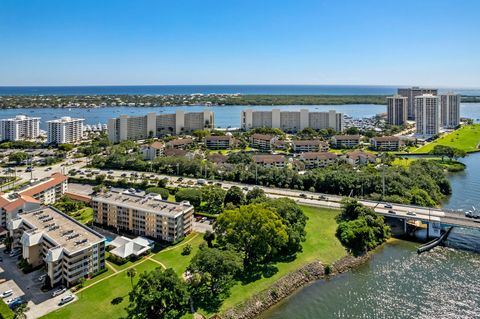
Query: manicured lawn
[453,166]
[321,244]
[84,215]
[96,301]
[466,138]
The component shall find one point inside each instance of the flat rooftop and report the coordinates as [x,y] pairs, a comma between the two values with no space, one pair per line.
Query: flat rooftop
[149,203]
[61,229]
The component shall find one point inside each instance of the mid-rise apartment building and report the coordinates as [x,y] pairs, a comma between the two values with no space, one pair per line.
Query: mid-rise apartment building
[317,159]
[262,141]
[427,109]
[46,191]
[20,127]
[450,110]
[387,143]
[218,142]
[291,121]
[153,150]
[65,130]
[143,215]
[270,160]
[300,146]
[69,249]
[411,93]
[345,141]
[397,110]
[150,125]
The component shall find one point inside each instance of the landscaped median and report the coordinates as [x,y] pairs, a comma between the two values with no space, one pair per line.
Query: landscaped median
[106,296]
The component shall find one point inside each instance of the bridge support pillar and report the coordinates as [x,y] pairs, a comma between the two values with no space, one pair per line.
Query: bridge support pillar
[405,226]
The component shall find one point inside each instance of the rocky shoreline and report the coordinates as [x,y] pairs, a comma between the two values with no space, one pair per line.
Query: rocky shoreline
[288,284]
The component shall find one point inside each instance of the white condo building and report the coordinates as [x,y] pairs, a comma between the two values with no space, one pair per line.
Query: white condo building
[128,127]
[427,110]
[19,128]
[397,110]
[291,121]
[450,110]
[65,130]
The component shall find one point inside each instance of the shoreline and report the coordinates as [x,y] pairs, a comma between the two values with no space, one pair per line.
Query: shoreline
[289,284]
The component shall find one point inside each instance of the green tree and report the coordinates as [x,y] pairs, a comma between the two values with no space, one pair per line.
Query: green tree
[131,273]
[193,195]
[201,134]
[218,266]
[20,311]
[65,147]
[254,230]
[163,192]
[213,198]
[254,194]
[209,237]
[18,157]
[158,294]
[235,196]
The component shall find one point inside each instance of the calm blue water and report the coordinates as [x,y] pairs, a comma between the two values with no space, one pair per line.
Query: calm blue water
[205,89]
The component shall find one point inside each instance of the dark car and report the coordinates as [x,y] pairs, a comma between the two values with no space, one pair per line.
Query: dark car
[392,212]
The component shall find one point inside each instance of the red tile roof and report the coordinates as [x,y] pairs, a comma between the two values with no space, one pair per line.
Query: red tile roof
[54,180]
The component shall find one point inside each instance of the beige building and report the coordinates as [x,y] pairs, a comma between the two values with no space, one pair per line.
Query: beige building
[19,128]
[450,110]
[387,143]
[262,141]
[65,130]
[152,150]
[46,191]
[345,141]
[218,142]
[427,109]
[291,121]
[356,158]
[411,93]
[317,159]
[270,160]
[143,215]
[300,146]
[69,250]
[397,110]
[128,127]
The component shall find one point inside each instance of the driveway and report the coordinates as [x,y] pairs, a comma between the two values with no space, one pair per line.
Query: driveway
[26,286]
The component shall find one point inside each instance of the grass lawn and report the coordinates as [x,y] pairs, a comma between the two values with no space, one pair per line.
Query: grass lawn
[452,166]
[466,138]
[321,244]
[95,301]
[84,215]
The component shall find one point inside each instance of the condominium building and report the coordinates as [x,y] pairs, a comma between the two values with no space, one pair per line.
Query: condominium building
[411,93]
[143,215]
[263,141]
[427,109]
[65,130]
[300,146]
[397,110]
[46,191]
[357,157]
[345,141]
[218,142]
[291,121]
[153,150]
[20,127]
[180,143]
[317,159]
[128,127]
[270,160]
[387,143]
[69,249]
[450,110]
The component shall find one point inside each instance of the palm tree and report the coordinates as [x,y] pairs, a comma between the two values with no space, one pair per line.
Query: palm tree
[20,311]
[132,272]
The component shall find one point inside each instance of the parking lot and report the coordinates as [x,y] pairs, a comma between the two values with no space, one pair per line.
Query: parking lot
[26,286]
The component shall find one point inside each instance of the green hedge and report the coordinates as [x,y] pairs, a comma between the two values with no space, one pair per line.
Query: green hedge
[5,311]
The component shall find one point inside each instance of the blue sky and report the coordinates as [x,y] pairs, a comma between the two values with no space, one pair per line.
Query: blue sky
[123,42]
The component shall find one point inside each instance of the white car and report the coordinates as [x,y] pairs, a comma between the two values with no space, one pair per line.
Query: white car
[59,291]
[66,299]
[6,293]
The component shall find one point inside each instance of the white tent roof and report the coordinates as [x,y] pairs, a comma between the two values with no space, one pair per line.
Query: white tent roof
[125,247]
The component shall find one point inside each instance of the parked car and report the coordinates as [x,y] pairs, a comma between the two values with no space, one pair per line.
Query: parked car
[387,205]
[6,293]
[42,277]
[303,195]
[59,291]
[66,299]
[15,252]
[48,169]
[15,303]
[411,214]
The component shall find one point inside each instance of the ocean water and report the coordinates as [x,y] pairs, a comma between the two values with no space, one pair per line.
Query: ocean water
[206,89]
